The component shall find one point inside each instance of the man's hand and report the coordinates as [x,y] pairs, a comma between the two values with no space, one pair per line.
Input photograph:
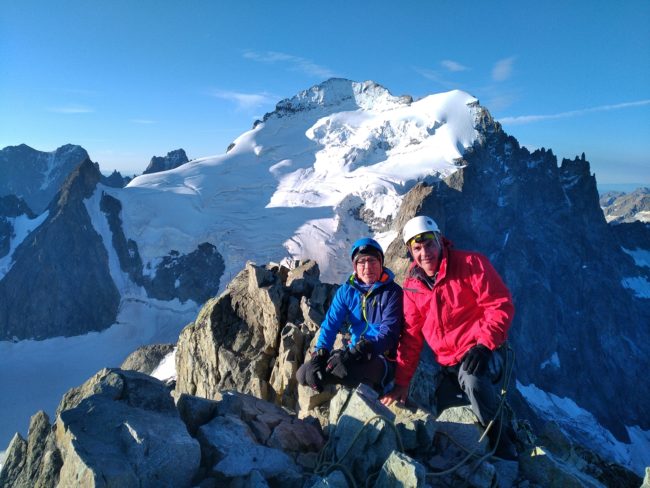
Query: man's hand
[398,394]
[315,369]
[476,359]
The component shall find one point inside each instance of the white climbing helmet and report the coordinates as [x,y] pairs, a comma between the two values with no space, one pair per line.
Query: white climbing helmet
[418,225]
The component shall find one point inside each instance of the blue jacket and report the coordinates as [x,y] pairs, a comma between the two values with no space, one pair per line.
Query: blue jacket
[383,320]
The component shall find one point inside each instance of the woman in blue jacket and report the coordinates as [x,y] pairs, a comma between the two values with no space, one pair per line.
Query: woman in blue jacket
[369,303]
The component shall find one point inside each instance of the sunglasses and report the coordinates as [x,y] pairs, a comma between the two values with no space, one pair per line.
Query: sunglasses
[425,236]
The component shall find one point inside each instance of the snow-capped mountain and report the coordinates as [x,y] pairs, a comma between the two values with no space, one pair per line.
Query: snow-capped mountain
[329,165]
[36,176]
[293,185]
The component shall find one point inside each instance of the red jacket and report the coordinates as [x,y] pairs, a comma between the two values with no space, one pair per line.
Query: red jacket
[467,305]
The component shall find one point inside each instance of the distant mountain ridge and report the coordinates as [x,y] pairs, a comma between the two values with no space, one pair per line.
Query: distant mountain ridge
[174,159]
[36,176]
[626,207]
[59,283]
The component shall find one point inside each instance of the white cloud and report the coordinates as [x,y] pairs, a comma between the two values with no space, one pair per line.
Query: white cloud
[245,101]
[527,119]
[296,63]
[71,109]
[502,70]
[453,66]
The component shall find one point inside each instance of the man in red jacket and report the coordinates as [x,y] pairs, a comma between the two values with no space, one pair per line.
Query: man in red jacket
[456,301]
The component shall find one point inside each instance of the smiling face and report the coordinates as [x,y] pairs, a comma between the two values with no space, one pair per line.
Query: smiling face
[368,269]
[426,254]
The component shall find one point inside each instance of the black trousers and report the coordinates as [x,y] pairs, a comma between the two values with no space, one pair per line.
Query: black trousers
[378,373]
[482,390]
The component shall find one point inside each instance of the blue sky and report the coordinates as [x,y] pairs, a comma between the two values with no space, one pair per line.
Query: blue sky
[129,80]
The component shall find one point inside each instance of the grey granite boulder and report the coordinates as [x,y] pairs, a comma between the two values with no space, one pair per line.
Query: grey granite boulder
[363,436]
[146,358]
[417,427]
[230,447]
[121,429]
[460,427]
[400,471]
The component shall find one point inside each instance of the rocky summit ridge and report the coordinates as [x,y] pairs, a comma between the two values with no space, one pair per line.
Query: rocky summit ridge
[235,417]
[339,94]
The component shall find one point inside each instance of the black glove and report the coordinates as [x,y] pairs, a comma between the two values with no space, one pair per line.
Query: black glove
[315,369]
[340,361]
[476,359]
[362,351]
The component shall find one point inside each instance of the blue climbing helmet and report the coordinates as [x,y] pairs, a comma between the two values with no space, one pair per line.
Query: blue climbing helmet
[366,246]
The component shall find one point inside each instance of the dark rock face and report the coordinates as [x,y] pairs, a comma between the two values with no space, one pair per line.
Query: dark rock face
[173,160]
[194,276]
[633,235]
[542,227]
[10,207]
[626,207]
[60,283]
[36,176]
[115,180]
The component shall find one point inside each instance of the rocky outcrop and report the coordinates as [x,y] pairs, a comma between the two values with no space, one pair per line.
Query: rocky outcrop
[146,358]
[248,338]
[34,462]
[36,176]
[126,433]
[173,160]
[60,283]
[620,207]
[118,429]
